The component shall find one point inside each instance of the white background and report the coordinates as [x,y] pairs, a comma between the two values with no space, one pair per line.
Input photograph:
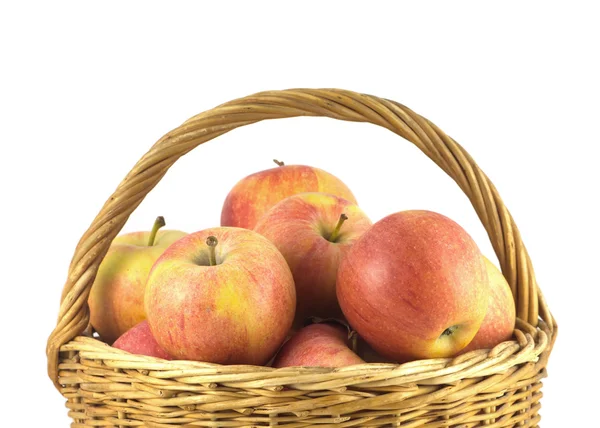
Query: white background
[85,89]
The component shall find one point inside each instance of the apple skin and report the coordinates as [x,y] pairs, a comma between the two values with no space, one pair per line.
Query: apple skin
[367,353]
[117,296]
[499,322]
[300,226]
[317,345]
[140,340]
[255,194]
[236,312]
[408,279]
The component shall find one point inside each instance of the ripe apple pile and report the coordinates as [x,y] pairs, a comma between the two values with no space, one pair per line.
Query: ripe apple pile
[298,275]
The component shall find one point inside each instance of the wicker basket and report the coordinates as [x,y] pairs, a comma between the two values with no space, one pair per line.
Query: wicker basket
[106,387]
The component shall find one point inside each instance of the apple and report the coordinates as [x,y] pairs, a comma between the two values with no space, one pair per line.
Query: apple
[252,196]
[318,345]
[367,353]
[222,295]
[414,286]
[140,340]
[116,299]
[499,322]
[307,229]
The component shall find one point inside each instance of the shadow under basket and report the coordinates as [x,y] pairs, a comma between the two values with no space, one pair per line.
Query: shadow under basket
[107,387]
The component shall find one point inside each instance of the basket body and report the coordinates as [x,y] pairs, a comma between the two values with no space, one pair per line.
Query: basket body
[492,388]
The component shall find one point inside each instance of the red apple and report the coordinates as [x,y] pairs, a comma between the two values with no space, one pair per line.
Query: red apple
[140,340]
[367,353]
[117,296]
[252,196]
[221,295]
[414,286]
[499,322]
[318,345]
[307,229]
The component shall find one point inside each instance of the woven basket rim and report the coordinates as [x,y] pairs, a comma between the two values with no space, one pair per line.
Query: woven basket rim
[527,348]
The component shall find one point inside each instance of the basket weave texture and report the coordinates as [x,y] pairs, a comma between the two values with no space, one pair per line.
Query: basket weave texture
[107,387]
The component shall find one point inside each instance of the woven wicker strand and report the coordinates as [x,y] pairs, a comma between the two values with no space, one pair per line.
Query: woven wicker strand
[494,388]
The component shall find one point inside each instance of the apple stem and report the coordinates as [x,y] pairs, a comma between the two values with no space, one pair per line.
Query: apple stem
[212,242]
[338,226]
[279,163]
[158,223]
[353,339]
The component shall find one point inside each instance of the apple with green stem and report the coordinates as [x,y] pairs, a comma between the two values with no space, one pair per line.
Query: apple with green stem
[117,296]
[222,295]
[414,286]
[314,231]
[255,194]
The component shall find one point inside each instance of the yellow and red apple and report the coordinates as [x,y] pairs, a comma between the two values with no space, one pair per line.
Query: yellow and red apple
[117,296]
[255,194]
[414,286]
[221,295]
[499,322]
[314,231]
[318,345]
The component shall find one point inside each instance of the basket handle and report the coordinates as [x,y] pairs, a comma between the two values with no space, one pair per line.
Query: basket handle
[73,318]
